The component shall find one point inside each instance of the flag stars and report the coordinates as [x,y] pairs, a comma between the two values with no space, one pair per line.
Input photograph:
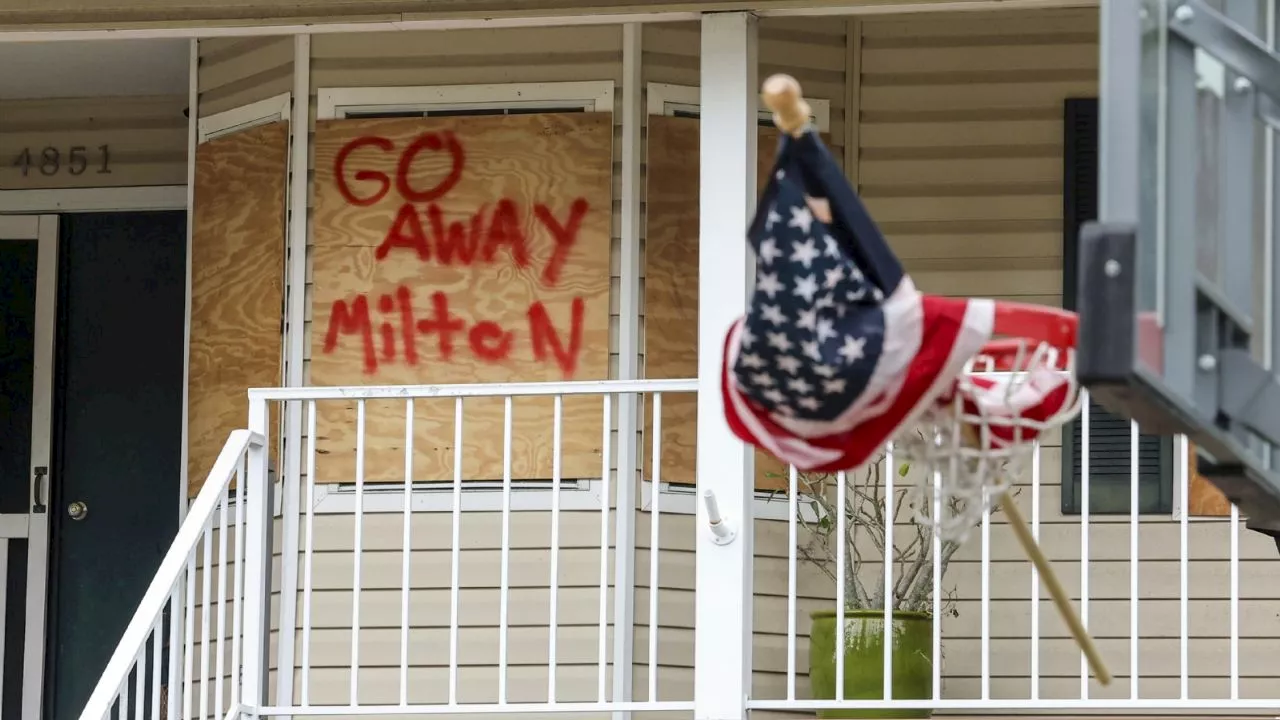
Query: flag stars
[772,217]
[832,248]
[773,314]
[853,349]
[789,364]
[807,319]
[833,276]
[799,385]
[769,285]
[779,340]
[804,253]
[826,330]
[769,251]
[774,395]
[806,287]
[825,371]
[747,338]
[762,379]
[810,349]
[809,403]
[833,386]
[753,361]
[801,217]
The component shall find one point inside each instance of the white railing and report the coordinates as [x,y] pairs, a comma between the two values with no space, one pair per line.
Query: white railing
[575,592]
[153,671]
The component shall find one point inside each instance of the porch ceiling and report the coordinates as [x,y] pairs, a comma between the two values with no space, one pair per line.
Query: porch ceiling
[117,14]
[93,68]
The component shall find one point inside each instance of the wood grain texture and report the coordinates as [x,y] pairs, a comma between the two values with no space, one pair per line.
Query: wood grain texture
[671,292]
[1203,499]
[237,284]
[541,166]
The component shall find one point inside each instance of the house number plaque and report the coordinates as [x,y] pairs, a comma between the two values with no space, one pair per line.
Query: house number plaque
[75,160]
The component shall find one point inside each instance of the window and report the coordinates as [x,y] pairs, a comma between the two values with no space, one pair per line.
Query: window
[678,494]
[1110,437]
[467,101]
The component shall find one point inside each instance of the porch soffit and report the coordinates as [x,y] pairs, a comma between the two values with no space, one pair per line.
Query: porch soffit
[30,15]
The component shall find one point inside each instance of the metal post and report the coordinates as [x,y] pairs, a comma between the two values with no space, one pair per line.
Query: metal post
[255,500]
[725,473]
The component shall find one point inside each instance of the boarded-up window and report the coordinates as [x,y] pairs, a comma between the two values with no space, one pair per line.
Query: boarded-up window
[1110,436]
[671,291]
[237,284]
[461,249]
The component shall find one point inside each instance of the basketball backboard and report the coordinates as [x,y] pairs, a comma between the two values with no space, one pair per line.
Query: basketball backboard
[1178,313]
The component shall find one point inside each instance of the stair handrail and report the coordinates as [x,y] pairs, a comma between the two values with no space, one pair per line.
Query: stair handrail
[169,572]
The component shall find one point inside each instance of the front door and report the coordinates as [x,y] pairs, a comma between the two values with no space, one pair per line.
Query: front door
[28,284]
[116,472]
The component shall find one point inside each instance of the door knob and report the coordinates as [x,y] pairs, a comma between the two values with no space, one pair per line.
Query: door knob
[77,510]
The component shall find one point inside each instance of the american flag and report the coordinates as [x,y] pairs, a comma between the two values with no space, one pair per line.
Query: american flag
[838,350]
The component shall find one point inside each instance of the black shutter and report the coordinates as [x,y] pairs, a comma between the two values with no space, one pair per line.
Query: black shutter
[1109,436]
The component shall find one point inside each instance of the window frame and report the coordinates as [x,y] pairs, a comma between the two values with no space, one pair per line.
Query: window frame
[681,498]
[334,103]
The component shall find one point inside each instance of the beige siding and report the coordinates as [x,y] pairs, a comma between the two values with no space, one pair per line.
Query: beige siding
[961,144]
[239,71]
[146,136]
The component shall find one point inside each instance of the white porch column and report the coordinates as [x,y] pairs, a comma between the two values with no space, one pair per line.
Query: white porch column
[729,91]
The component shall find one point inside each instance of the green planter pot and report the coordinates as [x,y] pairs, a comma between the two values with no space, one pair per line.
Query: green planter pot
[912,639]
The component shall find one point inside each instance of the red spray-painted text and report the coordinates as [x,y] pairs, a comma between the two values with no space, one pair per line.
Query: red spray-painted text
[425,232]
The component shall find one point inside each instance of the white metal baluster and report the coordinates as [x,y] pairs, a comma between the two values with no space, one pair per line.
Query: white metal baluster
[986,594]
[1133,561]
[1235,602]
[655,545]
[554,620]
[889,506]
[505,580]
[841,481]
[123,694]
[456,552]
[307,580]
[936,656]
[177,602]
[237,582]
[139,680]
[220,662]
[793,491]
[359,553]
[1084,542]
[157,638]
[407,544]
[1183,553]
[605,463]
[1035,575]
[206,604]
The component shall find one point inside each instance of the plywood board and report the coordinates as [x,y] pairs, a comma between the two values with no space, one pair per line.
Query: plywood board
[1203,498]
[237,284]
[461,250]
[671,292]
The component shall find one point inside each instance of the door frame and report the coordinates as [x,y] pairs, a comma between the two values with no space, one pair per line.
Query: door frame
[34,214]
[34,525]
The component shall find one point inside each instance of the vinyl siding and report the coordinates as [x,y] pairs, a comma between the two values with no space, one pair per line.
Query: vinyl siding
[240,71]
[147,137]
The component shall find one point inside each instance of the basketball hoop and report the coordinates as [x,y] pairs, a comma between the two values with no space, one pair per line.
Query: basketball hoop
[983,433]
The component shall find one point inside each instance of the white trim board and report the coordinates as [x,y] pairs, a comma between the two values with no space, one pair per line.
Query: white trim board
[333,103]
[481,20]
[666,99]
[108,199]
[273,109]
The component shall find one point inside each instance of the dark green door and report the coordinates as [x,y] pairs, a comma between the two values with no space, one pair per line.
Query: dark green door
[117,435]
